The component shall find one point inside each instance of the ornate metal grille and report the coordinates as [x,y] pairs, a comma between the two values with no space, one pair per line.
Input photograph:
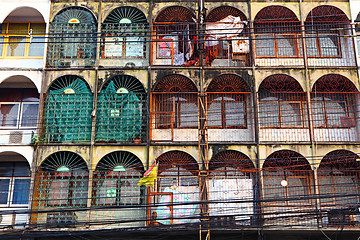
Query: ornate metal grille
[72,38]
[121,110]
[282,103]
[68,107]
[115,180]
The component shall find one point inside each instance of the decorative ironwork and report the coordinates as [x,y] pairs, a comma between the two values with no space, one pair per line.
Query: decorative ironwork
[341,159]
[115,180]
[326,14]
[222,12]
[63,159]
[72,38]
[175,14]
[121,110]
[228,83]
[130,83]
[334,83]
[74,13]
[68,108]
[125,15]
[276,14]
[286,159]
[231,158]
[175,83]
[280,83]
[177,159]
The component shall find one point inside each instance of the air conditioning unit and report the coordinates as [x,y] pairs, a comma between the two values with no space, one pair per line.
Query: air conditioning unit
[16,137]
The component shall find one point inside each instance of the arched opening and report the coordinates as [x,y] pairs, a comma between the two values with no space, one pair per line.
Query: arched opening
[226,37]
[62,181]
[228,98]
[121,110]
[68,107]
[325,27]
[287,186]
[234,173]
[115,180]
[72,37]
[14,188]
[23,34]
[334,102]
[282,103]
[124,33]
[174,37]
[174,103]
[19,103]
[339,183]
[277,33]
[177,182]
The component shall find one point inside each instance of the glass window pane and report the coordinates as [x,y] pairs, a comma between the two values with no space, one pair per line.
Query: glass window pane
[286,45]
[329,45]
[16,46]
[234,114]
[29,115]
[265,45]
[269,113]
[134,47]
[36,47]
[214,114]
[21,169]
[318,113]
[1,45]
[21,191]
[188,115]
[290,114]
[4,190]
[334,112]
[311,46]
[18,28]
[9,114]
[6,169]
[38,28]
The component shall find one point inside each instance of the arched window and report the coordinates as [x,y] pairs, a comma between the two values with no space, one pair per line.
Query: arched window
[121,110]
[324,26]
[177,174]
[68,107]
[20,37]
[339,185]
[227,37]
[175,103]
[174,37]
[282,103]
[228,97]
[287,175]
[19,104]
[124,32]
[333,102]
[115,180]
[62,181]
[233,173]
[277,32]
[72,37]
[14,181]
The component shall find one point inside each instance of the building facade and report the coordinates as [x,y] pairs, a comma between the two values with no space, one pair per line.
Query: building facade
[249,108]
